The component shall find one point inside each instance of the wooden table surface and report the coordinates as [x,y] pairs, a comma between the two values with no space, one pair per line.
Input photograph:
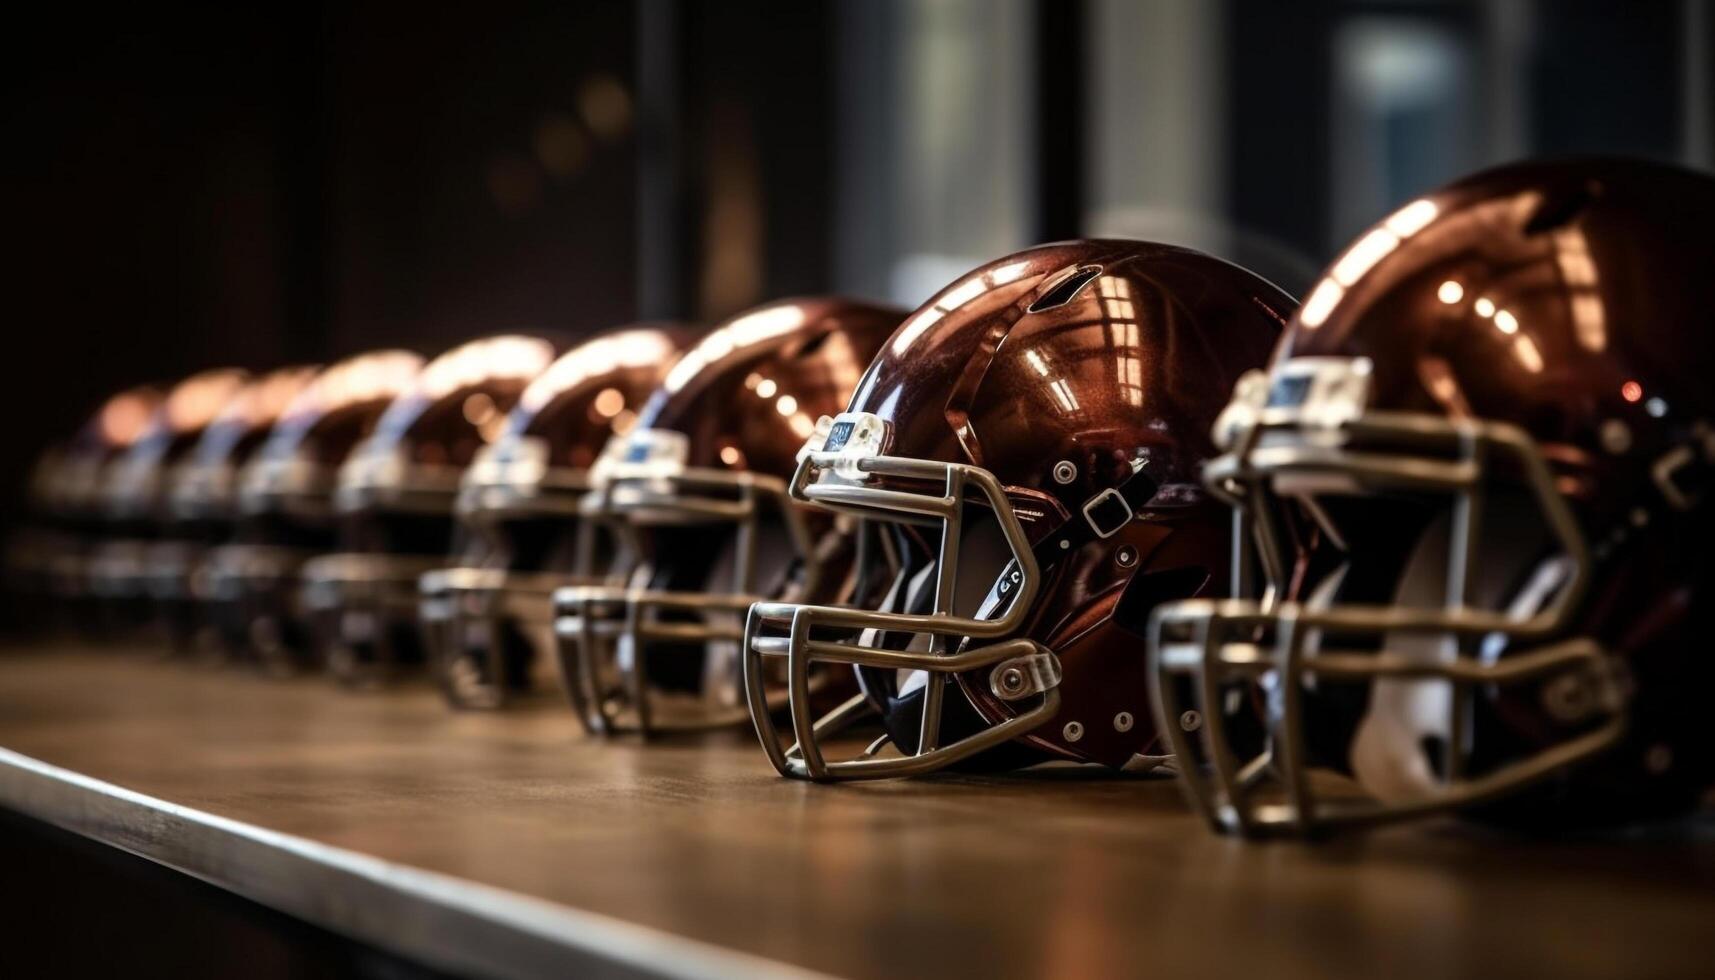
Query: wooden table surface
[1044,875]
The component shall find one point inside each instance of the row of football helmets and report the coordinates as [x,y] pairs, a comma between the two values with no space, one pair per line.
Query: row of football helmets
[1433,540]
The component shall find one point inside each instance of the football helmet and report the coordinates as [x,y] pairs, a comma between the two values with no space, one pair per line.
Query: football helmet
[489,618]
[126,568]
[695,493]
[48,560]
[1025,447]
[394,503]
[285,508]
[1474,481]
[202,501]
[31,548]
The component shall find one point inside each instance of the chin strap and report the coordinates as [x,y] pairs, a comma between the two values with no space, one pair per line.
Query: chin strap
[1165,765]
[1101,516]
[1682,479]
[1683,474]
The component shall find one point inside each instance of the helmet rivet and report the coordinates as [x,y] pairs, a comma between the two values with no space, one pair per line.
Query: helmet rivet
[1012,679]
[1065,472]
[1567,699]
[1123,722]
[1126,556]
[1073,731]
[1616,437]
[1658,759]
[1190,721]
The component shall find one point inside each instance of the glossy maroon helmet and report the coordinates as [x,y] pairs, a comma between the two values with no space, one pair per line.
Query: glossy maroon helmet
[696,494]
[141,557]
[285,513]
[203,489]
[1023,451]
[395,498]
[489,615]
[202,502]
[50,562]
[1474,474]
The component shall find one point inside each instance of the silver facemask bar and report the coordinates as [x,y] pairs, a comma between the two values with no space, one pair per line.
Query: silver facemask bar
[382,587]
[254,591]
[466,600]
[294,486]
[459,602]
[1203,651]
[1019,668]
[380,476]
[554,491]
[594,624]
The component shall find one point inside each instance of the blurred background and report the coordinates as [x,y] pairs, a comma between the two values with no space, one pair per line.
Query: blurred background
[274,184]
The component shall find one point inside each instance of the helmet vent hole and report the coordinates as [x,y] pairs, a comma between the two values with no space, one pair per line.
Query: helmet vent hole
[1063,291]
[814,344]
[1559,209]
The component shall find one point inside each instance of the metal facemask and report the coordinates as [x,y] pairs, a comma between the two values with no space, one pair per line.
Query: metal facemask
[660,653]
[840,469]
[397,522]
[252,584]
[1459,592]
[489,621]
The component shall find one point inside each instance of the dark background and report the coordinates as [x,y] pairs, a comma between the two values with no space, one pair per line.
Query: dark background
[290,183]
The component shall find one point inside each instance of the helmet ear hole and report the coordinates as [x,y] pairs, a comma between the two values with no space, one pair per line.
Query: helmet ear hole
[983,556]
[1150,589]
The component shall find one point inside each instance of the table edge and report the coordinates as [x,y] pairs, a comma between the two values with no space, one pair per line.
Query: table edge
[437,919]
